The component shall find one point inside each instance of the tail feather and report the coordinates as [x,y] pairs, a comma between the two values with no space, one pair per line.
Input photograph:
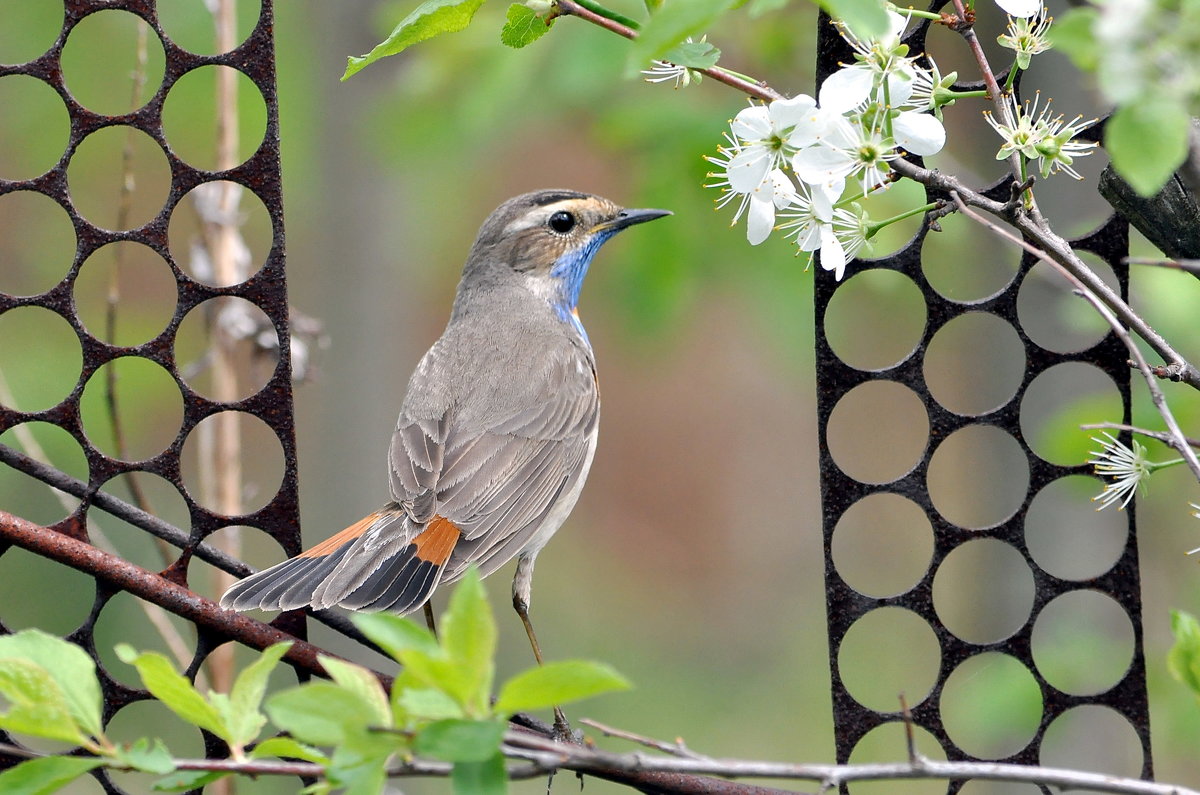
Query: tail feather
[399,582]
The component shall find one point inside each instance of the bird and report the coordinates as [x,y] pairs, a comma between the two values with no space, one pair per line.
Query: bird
[497,429]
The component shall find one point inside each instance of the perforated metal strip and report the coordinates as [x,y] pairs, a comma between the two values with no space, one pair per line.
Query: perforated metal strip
[839,492]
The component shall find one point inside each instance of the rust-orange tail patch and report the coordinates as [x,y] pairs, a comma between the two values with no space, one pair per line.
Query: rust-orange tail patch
[435,543]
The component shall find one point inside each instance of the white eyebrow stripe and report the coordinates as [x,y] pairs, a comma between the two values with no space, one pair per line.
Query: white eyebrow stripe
[538,215]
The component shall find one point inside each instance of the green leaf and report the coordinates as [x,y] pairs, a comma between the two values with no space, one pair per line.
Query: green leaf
[69,665]
[865,18]
[480,778]
[361,681]
[1183,661]
[461,740]
[428,703]
[1072,34]
[287,748]
[469,639]
[174,690]
[320,713]
[46,775]
[523,26]
[38,705]
[693,54]
[394,634]
[442,673]
[557,683]
[1147,140]
[184,780]
[246,695]
[673,23]
[146,757]
[431,18]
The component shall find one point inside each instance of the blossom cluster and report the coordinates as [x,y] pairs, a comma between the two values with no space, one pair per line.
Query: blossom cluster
[802,165]
[793,158]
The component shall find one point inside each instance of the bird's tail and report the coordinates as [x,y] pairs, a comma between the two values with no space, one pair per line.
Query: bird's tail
[367,566]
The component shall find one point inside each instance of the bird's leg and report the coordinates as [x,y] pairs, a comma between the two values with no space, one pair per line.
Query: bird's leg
[522,588]
[429,622]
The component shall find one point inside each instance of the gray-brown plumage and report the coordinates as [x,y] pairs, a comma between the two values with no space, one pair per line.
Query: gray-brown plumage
[496,432]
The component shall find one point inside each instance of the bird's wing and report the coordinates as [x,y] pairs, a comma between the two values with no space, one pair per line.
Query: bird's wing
[496,464]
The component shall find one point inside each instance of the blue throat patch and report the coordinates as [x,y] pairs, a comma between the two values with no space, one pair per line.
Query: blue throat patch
[570,270]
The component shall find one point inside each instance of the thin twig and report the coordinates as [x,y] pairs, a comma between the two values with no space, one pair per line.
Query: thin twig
[677,748]
[759,90]
[1161,436]
[1177,439]
[1189,265]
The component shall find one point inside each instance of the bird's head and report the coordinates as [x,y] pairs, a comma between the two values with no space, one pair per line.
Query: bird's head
[548,238]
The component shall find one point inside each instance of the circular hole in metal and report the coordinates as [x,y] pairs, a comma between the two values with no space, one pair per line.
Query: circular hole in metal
[148,409]
[25,495]
[40,358]
[1067,536]
[35,130]
[991,706]
[1083,642]
[983,591]
[900,197]
[101,56]
[154,495]
[875,319]
[872,451]
[886,743]
[25,602]
[190,116]
[978,477]
[1061,399]
[140,718]
[39,242]
[29,29]
[220,488]
[910,666]
[974,364]
[145,627]
[97,173]
[201,218]
[1055,317]
[1094,738]
[882,545]
[227,349]
[969,265]
[190,24]
[125,293]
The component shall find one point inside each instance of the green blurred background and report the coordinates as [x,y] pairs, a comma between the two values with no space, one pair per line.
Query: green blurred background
[693,561]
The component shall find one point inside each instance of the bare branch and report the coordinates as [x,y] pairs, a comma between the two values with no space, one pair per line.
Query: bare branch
[588,760]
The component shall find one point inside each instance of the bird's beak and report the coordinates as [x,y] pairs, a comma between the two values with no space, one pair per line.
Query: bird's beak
[630,217]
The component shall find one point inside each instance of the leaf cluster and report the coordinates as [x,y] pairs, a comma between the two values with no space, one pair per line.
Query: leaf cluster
[440,706]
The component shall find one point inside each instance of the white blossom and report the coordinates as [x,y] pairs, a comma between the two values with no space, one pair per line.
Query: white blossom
[1127,467]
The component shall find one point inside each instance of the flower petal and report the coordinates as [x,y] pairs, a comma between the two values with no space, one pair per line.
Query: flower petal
[1020,8]
[760,220]
[833,256]
[919,133]
[748,168]
[752,123]
[822,165]
[786,113]
[846,89]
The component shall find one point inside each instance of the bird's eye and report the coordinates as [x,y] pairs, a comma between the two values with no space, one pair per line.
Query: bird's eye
[562,222]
